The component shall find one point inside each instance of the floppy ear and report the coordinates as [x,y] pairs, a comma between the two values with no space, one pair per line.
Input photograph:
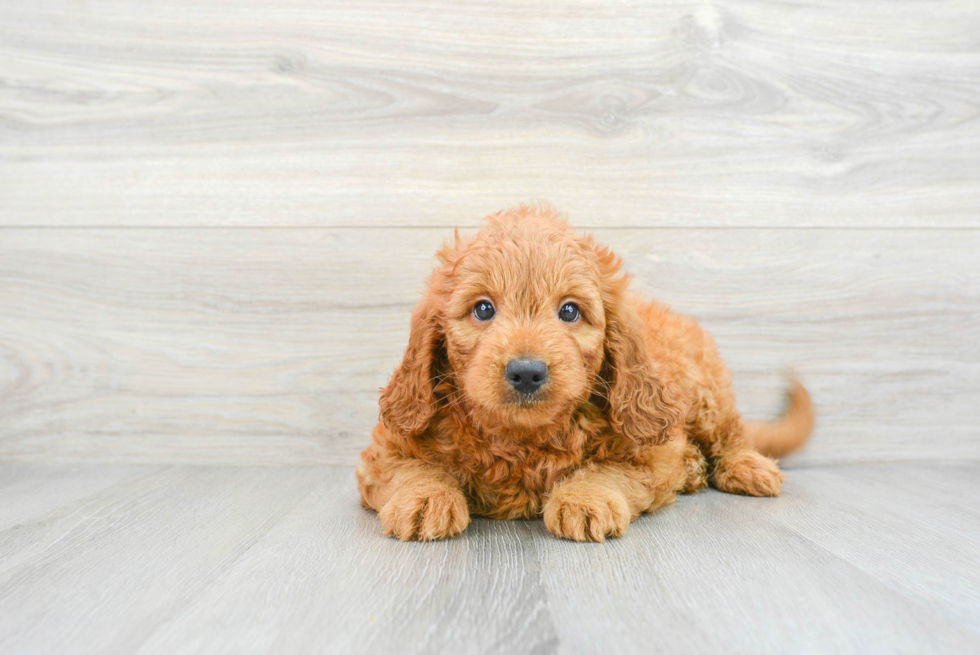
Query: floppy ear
[408,402]
[641,406]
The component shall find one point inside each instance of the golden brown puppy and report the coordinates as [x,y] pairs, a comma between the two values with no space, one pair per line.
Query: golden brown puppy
[535,384]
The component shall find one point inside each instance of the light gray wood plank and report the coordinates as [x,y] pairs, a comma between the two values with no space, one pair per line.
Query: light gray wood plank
[101,574]
[714,573]
[28,490]
[326,580]
[268,346]
[945,487]
[420,113]
[900,523]
[200,559]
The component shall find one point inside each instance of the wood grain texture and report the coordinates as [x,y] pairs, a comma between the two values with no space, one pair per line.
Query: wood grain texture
[27,495]
[268,346]
[140,548]
[338,586]
[673,112]
[186,275]
[214,560]
[215,218]
[714,574]
[933,560]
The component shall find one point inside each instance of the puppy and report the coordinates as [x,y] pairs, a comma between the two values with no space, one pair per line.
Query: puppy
[536,384]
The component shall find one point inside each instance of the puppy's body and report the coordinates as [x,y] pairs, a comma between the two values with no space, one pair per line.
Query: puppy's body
[636,406]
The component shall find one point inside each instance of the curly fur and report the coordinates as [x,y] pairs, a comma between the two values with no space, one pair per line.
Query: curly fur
[638,406]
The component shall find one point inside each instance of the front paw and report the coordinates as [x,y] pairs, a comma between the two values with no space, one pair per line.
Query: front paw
[425,514]
[584,511]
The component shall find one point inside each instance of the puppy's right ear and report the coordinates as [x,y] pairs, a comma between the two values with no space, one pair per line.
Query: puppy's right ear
[408,402]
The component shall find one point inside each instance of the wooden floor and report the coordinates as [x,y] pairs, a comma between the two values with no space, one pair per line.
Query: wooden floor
[191,559]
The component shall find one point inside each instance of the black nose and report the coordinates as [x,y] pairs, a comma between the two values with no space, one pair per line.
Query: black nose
[526,375]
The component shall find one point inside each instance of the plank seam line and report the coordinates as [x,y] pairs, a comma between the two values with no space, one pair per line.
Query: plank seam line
[229,566]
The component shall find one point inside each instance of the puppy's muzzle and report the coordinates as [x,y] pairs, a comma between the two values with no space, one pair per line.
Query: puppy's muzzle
[526,375]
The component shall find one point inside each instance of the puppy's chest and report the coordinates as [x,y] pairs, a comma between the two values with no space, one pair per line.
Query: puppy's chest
[514,484]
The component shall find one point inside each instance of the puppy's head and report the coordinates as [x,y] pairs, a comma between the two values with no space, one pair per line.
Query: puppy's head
[524,320]
[520,326]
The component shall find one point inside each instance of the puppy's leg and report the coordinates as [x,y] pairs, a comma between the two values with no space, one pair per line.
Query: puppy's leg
[747,472]
[696,467]
[736,467]
[600,500]
[414,500]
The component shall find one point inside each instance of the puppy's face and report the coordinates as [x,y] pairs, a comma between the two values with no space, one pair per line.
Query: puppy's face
[524,323]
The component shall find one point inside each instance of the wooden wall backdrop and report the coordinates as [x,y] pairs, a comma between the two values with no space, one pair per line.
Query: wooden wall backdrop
[216,216]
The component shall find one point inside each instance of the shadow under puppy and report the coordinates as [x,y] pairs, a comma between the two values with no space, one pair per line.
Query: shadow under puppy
[536,384]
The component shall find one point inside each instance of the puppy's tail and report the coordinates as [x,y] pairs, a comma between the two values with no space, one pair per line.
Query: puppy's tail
[790,431]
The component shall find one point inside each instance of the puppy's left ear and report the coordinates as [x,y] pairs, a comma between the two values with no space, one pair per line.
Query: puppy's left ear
[641,405]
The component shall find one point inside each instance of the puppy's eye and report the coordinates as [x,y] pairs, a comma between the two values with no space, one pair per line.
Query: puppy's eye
[569,312]
[483,310]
